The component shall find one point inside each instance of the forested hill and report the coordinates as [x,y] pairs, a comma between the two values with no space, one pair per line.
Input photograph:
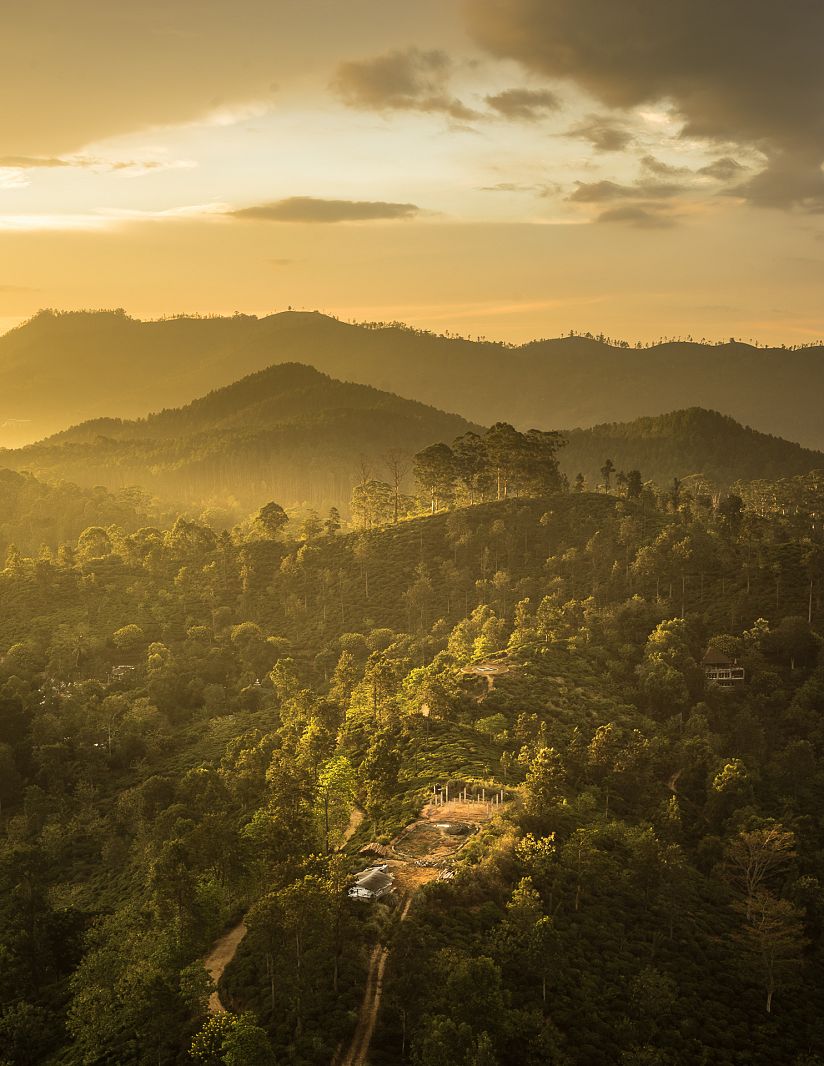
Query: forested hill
[682,443]
[288,433]
[192,723]
[60,369]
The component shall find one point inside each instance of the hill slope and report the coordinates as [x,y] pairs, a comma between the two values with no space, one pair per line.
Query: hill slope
[59,369]
[687,442]
[287,433]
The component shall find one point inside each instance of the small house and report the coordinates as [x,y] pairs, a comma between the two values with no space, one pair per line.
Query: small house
[372,884]
[720,669]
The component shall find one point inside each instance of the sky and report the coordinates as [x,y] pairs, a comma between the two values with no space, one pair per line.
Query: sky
[501,168]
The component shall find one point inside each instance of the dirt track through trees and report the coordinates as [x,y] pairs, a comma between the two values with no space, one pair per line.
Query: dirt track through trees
[368,1014]
[409,877]
[222,953]
[225,948]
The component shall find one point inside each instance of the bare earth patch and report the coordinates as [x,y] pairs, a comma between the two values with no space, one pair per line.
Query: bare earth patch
[219,958]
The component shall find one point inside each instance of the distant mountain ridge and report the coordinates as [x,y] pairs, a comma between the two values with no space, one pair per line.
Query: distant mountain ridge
[683,443]
[61,369]
[288,433]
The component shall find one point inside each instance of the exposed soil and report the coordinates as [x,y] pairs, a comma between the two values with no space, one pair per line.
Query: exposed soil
[434,840]
[488,671]
[225,949]
[466,811]
[368,1016]
[355,819]
[222,953]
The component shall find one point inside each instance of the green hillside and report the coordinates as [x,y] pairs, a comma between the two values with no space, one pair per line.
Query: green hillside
[61,369]
[187,721]
[288,433]
[683,443]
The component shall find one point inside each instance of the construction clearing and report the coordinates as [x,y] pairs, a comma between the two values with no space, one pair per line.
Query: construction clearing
[425,851]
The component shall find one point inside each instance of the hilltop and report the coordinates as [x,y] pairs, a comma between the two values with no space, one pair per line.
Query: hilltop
[288,433]
[683,443]
[61,369]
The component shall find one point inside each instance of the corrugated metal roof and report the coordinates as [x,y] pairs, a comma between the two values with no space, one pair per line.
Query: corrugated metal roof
[375,881]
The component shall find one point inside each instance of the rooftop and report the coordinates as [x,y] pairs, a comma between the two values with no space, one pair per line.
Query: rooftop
[374,881]
[713,657]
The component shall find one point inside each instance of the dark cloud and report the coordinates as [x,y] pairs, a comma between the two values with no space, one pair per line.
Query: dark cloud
[790,178]
[596,192]
[74,74]
[648,203]
[742,71]
[724,169]
[312,209]
[410,80]
[661,169]
[529,105]
[604,133]
[644,216]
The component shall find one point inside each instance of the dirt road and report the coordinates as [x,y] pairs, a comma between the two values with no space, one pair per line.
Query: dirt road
[368,1014]
[355,819]
[219,958]
[428,838]
[225,949]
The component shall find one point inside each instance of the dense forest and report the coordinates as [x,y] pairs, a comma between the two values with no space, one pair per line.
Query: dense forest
[67,367]
[202,725]
[35,513]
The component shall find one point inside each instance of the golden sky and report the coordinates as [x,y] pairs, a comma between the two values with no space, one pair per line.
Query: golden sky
[505,168]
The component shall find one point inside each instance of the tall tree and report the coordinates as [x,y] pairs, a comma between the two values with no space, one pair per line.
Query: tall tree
[435,474]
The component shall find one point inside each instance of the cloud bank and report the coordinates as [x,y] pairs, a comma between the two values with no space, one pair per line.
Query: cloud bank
[528,105]
[745,72]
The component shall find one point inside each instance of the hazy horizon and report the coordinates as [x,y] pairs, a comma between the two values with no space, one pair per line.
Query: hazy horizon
[440,329]
[412,533]
[512,170]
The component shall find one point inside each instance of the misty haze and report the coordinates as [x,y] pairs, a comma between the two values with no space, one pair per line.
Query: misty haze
[411,545]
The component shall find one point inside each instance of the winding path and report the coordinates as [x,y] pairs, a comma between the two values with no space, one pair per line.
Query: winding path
[355,819]
[411,875]
[368,1014]
[225,948]
[222,953]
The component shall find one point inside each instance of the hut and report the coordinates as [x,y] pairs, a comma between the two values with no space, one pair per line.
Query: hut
[720,669]
[372,884]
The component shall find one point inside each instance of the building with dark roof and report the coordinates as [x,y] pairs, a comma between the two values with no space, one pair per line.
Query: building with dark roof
[720,669]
